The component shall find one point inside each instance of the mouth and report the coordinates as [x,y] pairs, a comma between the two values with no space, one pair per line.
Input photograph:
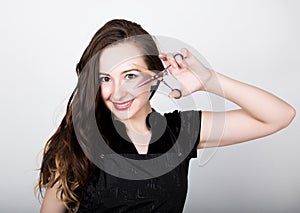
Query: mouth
[123,105]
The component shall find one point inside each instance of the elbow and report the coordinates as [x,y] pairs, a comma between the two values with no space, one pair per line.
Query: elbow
[290,115]
[282,120]
[287,117]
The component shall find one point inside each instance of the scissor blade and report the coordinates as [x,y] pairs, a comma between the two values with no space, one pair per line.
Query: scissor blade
[145,82]
[151,73]
[158,75]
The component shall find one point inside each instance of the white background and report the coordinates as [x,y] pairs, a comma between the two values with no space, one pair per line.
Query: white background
[256,42]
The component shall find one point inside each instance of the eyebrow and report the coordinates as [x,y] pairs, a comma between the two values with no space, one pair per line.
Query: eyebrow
[125,71]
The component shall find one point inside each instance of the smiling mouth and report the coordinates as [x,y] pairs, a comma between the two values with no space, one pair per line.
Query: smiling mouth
[123,105]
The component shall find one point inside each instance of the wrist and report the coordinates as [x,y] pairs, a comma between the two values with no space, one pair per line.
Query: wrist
[213,83]
[207,80]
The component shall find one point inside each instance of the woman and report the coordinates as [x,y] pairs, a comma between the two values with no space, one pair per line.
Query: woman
[72,173]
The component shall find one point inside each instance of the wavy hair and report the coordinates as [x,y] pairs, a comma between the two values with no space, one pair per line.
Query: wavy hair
[64,163]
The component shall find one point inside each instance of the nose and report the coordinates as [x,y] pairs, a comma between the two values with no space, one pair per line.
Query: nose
[119,91]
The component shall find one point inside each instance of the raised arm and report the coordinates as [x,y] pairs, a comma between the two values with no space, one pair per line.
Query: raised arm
[260,113]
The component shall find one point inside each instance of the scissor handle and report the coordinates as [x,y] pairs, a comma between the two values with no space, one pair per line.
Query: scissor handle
[178,90]
[178,54]
[180,93]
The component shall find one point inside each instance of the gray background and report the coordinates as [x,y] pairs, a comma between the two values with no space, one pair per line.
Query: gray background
[256,42]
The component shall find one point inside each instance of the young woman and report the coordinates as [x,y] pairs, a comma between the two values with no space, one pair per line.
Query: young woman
[120,57]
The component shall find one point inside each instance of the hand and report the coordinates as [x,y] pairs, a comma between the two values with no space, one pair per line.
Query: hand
[191,74]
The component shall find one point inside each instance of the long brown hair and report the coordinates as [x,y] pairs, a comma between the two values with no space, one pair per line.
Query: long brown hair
[64,162]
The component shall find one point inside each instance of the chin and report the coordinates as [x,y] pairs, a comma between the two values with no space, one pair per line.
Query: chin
[122,116]
[123,113]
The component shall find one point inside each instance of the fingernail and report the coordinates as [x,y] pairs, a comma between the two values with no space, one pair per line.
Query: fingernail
[184,52]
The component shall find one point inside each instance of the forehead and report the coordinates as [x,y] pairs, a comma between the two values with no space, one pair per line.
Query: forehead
[119,58]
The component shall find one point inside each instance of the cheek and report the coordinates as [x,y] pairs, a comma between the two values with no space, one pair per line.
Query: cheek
[105,92]
[143,97]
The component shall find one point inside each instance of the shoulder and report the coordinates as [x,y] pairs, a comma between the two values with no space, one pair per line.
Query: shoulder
[186,126]
[178,116]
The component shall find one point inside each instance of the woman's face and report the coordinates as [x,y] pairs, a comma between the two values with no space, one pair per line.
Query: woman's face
[119,79]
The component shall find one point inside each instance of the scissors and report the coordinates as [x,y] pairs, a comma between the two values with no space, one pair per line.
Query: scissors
[158,75]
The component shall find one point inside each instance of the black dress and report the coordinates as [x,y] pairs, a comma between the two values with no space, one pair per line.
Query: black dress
[166,193]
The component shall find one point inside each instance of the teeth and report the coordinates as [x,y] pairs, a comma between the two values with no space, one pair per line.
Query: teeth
[124,105]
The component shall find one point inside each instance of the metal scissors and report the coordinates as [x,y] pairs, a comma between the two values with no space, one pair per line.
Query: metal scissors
[158,75]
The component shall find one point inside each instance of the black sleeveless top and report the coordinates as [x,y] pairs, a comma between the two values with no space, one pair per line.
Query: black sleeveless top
[166,193]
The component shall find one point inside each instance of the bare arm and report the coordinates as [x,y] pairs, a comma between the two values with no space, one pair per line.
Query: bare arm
[51,203]
[260,113]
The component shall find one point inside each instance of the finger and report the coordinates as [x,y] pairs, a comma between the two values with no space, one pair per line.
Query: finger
[186,55]
[162,56]
[164,59]
[172,61]
[174,94]
[179,58]
[185,52]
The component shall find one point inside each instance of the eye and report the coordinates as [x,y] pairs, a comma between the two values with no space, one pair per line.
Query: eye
[130,76]
[104,79]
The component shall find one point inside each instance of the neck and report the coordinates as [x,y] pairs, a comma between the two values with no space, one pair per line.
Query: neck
[137,123]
